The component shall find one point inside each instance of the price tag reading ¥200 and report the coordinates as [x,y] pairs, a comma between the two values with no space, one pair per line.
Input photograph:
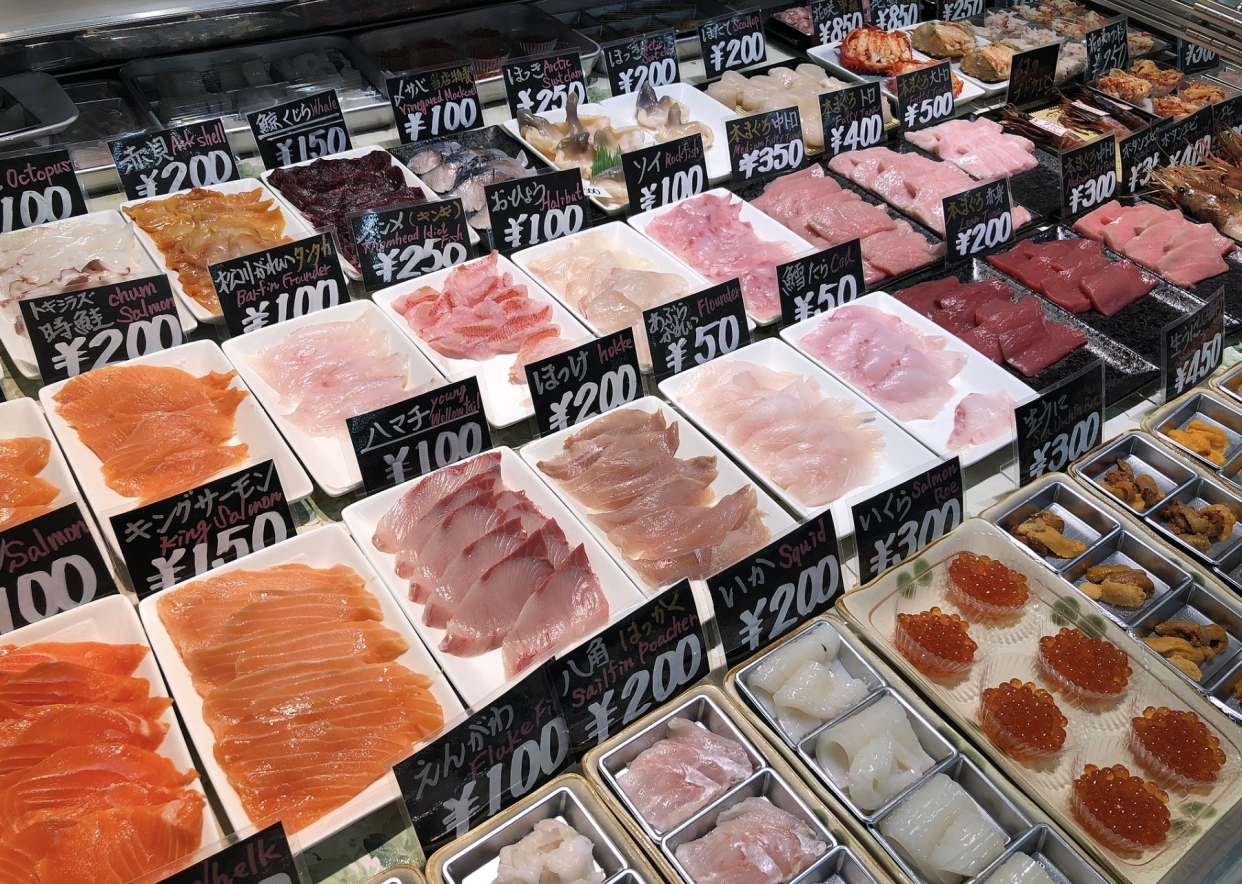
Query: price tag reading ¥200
[893,14]
[1140,155]
[650,58]
[1188,141]
[567,388]
[765,144]
[171,160]
[958,10]
[188,534]
[434,102]
[895,524]
[75,332]
[696,329]
[977,219]
[38,188]
[1107,48]
[48,565]
[665,173]
[265,857]
[645,659]
[542,84]
[407,242]
[852,118]
[1192,58]
[1032,74]
[777,589]
[1062,425]
[306,128]
[732,41]
[925,97]
[808,286]
[411,438]
[1088,175]
[529,211]
[834,19]
[1191,347]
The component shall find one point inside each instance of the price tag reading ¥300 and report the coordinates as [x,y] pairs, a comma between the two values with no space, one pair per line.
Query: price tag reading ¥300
[977,219]
[1191,347]
[1062,425]
[1192,58]
[1088,175]
[895,524]
[567,388]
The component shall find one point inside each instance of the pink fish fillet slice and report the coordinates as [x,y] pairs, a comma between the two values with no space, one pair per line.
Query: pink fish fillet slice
[414,504]
[464,571]
[416,540]
[567,606]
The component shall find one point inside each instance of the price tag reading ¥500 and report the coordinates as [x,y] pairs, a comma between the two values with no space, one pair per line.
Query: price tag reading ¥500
[567,388]
[545,83]
[650,58]
[925,97]
[529,211]
[732,41]
[977,219]
[1191,347]
[306,128]
[765,144]
[406,242]
[1062,425]
[435,102]
[834,19]
[808,286]
[1088,175]
[171,160]
[38,188]
[852,118]
[665,173]
[696,329]
[1140,155]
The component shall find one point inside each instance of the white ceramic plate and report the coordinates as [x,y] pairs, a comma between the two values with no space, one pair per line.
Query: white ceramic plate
[23,417]
[978,375]
[321,548]
[829,57]
[329,459]
[478,677]
[504,403]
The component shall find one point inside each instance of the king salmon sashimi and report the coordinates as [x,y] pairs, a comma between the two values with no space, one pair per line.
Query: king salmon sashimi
[24,494]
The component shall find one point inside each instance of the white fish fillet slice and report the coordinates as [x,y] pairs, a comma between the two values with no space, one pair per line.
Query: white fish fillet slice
[1019,869]
[981,417]
[554,853]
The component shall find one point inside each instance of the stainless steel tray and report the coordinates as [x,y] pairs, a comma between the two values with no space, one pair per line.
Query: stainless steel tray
[43,104]
[618,20]
[106,108]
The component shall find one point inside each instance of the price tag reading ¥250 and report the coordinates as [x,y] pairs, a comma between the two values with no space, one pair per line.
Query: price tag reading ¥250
[732,41]
[1088,175]
[171,160]
[1191,347]
[811,285]
[977,219]
[665,173]
[434,102]
[834,19]
[958,10]
[1062,425]
[529,211]
[925,97]
[650,58]
[696,329]
[306,128]
[895,524]
[765,144]
[1140,155]
[406,242]
[893,14]
[567,388]
[1107,48]
[853,118]
[545,83]
[38,188]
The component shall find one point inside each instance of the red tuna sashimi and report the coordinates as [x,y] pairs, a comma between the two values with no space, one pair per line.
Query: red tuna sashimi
[925,297]
[985,341]
[1116,287]
[1065,290]
[995,307]
[412,506]
[1060,341]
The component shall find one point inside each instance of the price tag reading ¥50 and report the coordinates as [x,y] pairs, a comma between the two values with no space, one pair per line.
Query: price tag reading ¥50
[696,329]
[1191,347]
[977,219]
[306,128]
[765,144]
[435,102]
[1088,175]
[650,58]
[852,118]
[808,286]
[567,388]
[38,188]
[895,524]
[732,41]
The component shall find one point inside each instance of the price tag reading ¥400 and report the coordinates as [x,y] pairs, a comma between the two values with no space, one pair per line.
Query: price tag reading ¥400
[895,524]
[306,128]
[925,97]
[808,286]
[976,220]
[958,10]
[696,329]
[665,173]
[1192,58]
[545,83]
[434,102]
[853,118]
[38,188]
[1088,175]
[567,388]
[407,242]
[1062,425]
[529,211]
[650,58]
[775,590]
[893,14]
[266,857]
[834,19]
[171,160]
[1140,155]
[1107,48]
[732,41]
[1188,141]
[1032,74]
[1191,347]
[765,144]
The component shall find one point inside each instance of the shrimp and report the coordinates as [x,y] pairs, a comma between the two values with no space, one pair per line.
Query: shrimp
[1204,196]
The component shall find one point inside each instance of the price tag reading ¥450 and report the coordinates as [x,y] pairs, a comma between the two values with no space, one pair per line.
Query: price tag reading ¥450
[732,41]
[853,118]
[650,58]
[976,220]
[306,128]
[925,97]
[765,144]
[696,329]
[567,388]
[1062,425]
[1088,175]
[1191,347]
[435,102]
[834,19]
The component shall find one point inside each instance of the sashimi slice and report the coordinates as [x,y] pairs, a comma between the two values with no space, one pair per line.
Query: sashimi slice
[753,842]
[464,571]
[580,456]
[412,506]
[679,529]
[45,684]
[619,422]
[675,490]
[632,474]
[567,606]
[275,615]
[459,530]
[29,454]
[101,656]
[981,417]
[26,742]
[19,488]
[1117,287]
[1191,263]
[480,489]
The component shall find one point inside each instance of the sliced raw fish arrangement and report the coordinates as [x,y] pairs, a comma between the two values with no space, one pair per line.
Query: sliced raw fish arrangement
[156,429]
[708,233]
[876,750]
[1163,240]
[980,418]
[298,676]
[24,495]
[779,88]
[489,568]
[979,147]
[814,447]
[985,315]
[825,214]
[753,842]
[1075,274]
[941,829]
[805,684]
[553,853]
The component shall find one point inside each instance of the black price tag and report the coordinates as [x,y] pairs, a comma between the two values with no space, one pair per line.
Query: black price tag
[958,10]
[304,129]
[730,42]
[696,329]
[504,750]
[188,534]
[544,83]
[834,19]
[852,118]
[265,857]
[1191,347]
[409,241]
[529,211]
[1032,74]
[976,220]
[1192,58]
[1107,48]
[75,332]
[1229,113]
[1062,425]
[413,437]
[632,666]
[777,589]
[567,388]
[38,188]
[829,278]
[283,282]
[434,102]
[765,144]
[1088,175]
[650,58]
[1140,156]
[665,173]
[895,524]
[893,14]
[48,565]
[925,97]
[171,160]
[1188,141]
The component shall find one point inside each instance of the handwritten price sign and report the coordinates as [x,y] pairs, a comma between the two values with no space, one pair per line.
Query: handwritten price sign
[1062,425]
[895,524]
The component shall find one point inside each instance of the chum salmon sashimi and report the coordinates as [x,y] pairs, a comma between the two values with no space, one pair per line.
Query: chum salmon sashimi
[157,430]
[283,654]
[113,659]
[24,495]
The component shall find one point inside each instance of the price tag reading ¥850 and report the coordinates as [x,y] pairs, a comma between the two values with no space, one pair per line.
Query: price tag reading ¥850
[411,438]
[408,241]
[732,41]
[75,332]
[529,211]
[957,10]
[976,220]
[188,534]
[545,83]
[893,14]
[1062,425]
[696,329]
[1088,175]
[265,857]
[306,128]
[852,118]
[170,160]
[925,97]
[1107,48]
[895,524]
[1032,74]
[38,188]
[765,144]
[650,58]
[570,387]
[665,173]
[1140,155]
[1191,347]
[834,19]
[434,102]
[1188,141]
[808,286]
[1192,58]
[775,590]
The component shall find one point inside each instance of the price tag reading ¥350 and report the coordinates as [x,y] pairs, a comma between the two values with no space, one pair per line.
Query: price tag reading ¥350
[567,388]
[1062,425]
[1191,347]
[765,144]
[1140,155]
[306,128]
[895,524]
[977,219]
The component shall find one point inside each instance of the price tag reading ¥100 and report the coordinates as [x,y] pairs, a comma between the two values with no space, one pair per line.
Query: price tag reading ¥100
[976,220]
[1062,425]
[567,388]
[407,242]
[732,41]
[765,144]
[1140,156]
[925,97]
[834,19]
[38,188]
[808,286]
[650,58]
[434,102]
[529,211]
[1191,347]
[1192,58]
[696,329]
[171,160]
[541,84]
[852,118]
[306,128]
[665,173]
[1107,48]
[893,14]
[1088,175]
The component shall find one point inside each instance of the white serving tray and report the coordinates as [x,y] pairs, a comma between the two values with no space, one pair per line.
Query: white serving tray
[504,403]
[478,677]
[693,443]
[978,375]
[903,454]
[322,548]
[829,56]
[23,417]
[329,459]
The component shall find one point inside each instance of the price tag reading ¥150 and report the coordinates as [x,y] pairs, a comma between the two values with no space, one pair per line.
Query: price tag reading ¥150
[171,160]
[925,97]
[529,211]
[1033,73]
[1062,425]
[765,144]
[852,118]
[665,173]
[407,242]
[1192,58]
[650,58]
[808,286]
[732,41]
[834,19]
[958,10]
[696,329]
[265,857]
[434,102]
[542,84]
[1107,48]
[893,14]
[567,388]
[1140,156]
[977,219]
[306,128]
[1088,175]
[38,188]
[1191,347]
[1188,141]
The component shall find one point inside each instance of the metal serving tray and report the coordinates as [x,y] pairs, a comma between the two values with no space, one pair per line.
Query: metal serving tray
[106,109]
[607,21]
[43,104]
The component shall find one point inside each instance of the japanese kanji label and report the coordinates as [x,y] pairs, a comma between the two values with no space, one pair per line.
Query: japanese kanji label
[732,41]
[777,589]
[1107,48]
[529,211]
[74,332]
[1140,155]
[1192,58]
[411,438]
[895,524]
[665,173]
[976,220]
[503,751]
[832,20]
[852,118]
[1062,425]
[1191,347]
[1229,113]
[37,188]
[1088,175]
[829,278]
[696,328]
[283,282]
[1188,141]
[764,144]
[188,534]
[265,857]
[170,160]
[545,83]
[570,387]
[925,97]
[649,58]
[433,102]
[1032,74]
[632,666]
[893,14]
[48,565]
[407,242]
[306,128]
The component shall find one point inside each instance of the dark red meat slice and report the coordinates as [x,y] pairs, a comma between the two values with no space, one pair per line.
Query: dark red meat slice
[1059,342]
[992,308]
[1116,287]
[985,341]
[924,296]
[1063,290]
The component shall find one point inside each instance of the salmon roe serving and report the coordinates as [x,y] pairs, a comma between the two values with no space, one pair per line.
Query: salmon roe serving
[936,642]
[986,588]
[1123,812]
[1088,669]
[1022,719]
[1176,747]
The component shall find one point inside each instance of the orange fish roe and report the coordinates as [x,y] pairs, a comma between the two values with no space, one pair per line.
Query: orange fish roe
[985,587]
[935,642]
[1022,719]
[1176,747]
[1088,669]
[1122,812]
